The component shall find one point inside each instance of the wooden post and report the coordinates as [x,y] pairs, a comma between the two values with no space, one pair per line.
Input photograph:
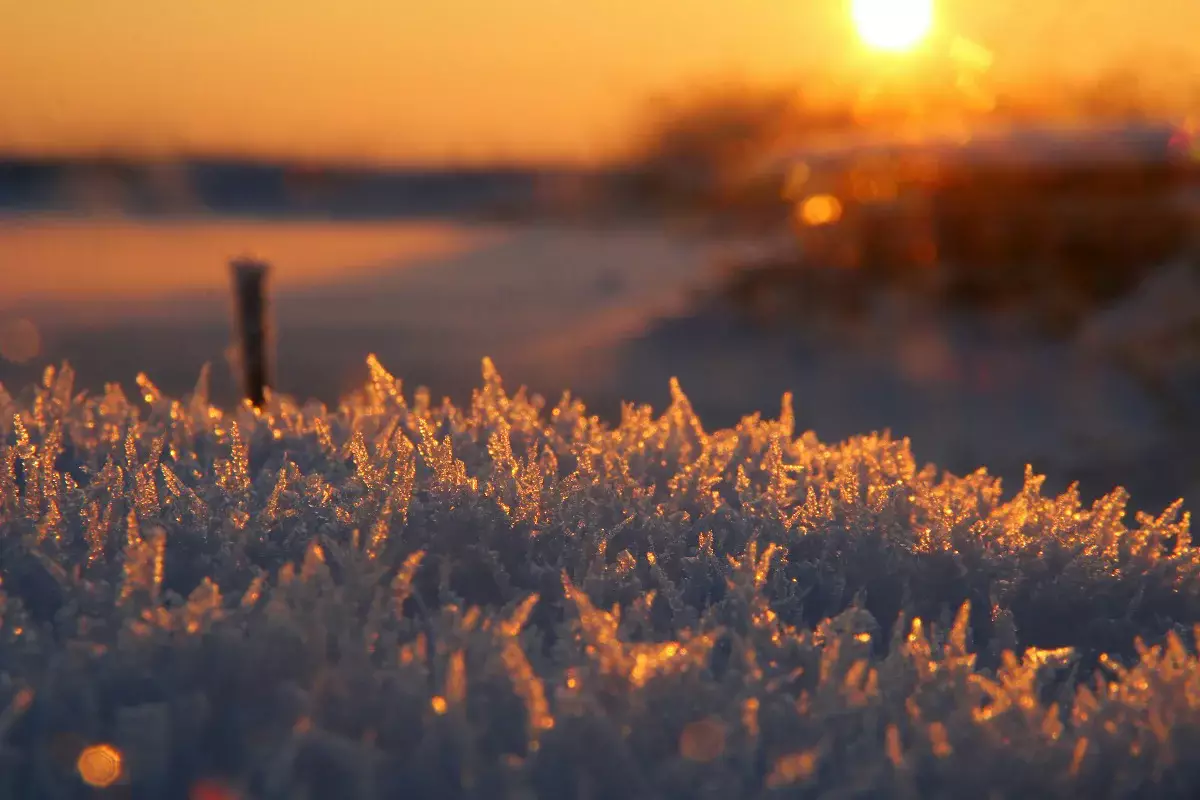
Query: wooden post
[249,279]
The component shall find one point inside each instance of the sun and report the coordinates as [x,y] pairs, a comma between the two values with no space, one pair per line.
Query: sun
[894,25]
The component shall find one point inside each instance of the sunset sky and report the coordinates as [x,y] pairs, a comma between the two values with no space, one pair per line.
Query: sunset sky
[476,79]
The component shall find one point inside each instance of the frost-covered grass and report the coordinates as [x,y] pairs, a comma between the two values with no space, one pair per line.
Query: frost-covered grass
[397,598]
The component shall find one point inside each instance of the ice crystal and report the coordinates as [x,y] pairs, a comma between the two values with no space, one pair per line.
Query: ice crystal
[456,679]
[397,596]
[529,687]
[387,388]
[792,768]
[402,582]
[143,560]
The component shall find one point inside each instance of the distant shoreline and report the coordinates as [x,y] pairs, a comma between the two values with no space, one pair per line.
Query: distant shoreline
[278,190]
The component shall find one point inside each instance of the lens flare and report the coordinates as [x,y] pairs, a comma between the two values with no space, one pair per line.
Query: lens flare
[894,25]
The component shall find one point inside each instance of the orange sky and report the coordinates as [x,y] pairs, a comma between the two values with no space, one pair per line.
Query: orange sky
[467,79]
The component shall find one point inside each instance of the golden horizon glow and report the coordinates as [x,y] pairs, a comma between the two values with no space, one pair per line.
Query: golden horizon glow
[461,81]
[892,25]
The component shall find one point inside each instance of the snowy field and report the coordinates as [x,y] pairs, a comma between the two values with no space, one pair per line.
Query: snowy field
[385,595]
[607,313]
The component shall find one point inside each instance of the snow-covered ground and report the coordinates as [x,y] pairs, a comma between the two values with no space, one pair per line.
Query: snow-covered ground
[606,313]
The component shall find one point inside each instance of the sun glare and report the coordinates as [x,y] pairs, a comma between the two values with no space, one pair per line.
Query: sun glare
[894,25]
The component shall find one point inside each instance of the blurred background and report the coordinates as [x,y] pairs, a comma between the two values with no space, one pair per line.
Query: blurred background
[970,223]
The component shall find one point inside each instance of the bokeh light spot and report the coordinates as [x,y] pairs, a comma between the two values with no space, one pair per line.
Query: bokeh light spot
[820,209]
[99,765]
[19,340]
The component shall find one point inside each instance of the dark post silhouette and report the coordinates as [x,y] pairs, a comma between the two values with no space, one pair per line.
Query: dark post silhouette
[250,278]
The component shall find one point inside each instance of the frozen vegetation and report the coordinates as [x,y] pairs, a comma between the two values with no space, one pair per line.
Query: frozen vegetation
[401,598]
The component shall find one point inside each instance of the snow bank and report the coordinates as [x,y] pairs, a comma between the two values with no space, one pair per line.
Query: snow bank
[401,598]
